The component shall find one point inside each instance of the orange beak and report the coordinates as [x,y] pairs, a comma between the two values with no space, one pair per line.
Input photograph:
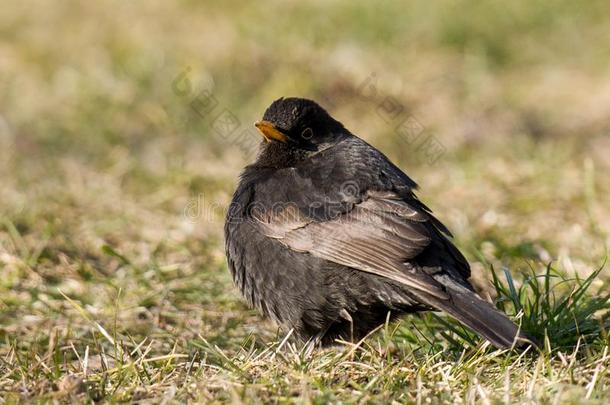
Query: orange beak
[270,132]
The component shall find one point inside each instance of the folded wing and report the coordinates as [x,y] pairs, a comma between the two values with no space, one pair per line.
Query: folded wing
[379,235]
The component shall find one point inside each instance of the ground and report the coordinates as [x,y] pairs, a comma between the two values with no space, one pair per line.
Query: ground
[123,129]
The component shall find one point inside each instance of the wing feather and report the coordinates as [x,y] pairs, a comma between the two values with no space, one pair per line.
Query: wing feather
[379,235]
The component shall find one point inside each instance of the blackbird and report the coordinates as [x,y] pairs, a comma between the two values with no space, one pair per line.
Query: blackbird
[326,237]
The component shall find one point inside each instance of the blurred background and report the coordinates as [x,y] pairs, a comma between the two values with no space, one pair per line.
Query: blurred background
[124,127]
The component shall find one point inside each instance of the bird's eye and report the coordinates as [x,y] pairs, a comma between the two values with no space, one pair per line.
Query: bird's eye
[307,133]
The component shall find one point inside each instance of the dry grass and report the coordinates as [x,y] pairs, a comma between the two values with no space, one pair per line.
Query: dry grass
[113,280]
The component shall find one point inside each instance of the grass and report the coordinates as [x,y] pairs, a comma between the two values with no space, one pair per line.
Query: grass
[427,356]
[113,281]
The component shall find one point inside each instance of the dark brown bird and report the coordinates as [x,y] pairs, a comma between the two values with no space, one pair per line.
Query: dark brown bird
[325,236]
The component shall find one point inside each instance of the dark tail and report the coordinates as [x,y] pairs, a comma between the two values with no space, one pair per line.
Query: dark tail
[482,317]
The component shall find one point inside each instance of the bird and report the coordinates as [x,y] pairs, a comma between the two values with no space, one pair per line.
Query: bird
[325,236]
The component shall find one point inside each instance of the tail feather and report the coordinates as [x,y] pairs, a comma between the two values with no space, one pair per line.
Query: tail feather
[482,317]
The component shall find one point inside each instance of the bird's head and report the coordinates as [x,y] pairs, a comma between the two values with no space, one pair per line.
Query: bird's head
[299,125]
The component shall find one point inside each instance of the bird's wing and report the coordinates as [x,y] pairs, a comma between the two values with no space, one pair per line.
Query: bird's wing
[379,235]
